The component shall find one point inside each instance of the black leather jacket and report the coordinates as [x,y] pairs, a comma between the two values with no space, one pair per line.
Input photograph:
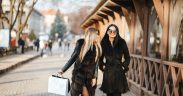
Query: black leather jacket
[74,55]
[88,64]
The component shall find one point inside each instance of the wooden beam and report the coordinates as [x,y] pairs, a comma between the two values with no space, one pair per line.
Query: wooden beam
[116,9]
[132,31]
[107,8]
[139,10]
[114,3]
[103,16]
[159,8]
[126,15]
[152,19]
[96,17]
[93,20]
[124,3]
[131,20]
[110,13]
[165,39]
[165,34]
[102,12]
[102,21]
[142,11]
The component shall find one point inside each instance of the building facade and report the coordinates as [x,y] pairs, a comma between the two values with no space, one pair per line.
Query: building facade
[36,22]
[49,15]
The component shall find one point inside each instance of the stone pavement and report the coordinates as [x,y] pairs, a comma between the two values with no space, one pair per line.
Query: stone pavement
[31,79]
[10,62]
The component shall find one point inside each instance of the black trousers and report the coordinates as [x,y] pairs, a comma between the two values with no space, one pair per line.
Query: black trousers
[22,49]
[114,94]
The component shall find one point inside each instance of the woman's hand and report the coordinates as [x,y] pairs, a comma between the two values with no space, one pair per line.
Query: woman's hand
[61,72]
[103,67]
[125,68]
[94,82]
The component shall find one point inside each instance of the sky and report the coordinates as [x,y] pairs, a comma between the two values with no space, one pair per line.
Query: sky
[66,6]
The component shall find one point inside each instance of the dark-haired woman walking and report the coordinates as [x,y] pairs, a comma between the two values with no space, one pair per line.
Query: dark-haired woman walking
[113,49]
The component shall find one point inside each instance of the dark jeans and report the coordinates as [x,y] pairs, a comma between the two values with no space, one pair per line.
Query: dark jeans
[22,49]
[42,52]
[114,94]
[37,48]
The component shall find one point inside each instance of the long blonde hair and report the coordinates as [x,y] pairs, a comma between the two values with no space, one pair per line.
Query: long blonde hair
[90,40]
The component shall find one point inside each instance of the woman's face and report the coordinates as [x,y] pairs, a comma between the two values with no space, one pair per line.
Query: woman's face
[112,32]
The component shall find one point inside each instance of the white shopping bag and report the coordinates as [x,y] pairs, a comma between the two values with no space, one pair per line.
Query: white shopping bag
[58,85]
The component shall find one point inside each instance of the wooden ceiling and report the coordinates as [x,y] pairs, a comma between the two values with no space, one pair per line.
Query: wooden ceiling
[107,8]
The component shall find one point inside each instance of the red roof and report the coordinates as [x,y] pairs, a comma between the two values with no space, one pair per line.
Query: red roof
[49,12]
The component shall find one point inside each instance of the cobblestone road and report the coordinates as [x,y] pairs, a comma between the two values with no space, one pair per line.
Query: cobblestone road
[31,79]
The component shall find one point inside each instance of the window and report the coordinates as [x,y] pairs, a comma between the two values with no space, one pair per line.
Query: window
[127,32]
[177,43]
[155,35]
[138,37]
[155,40]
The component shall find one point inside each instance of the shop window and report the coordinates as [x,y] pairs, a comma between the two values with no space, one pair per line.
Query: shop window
[127,33]
[138,37]
[155,40]
[155,35]
[177,41]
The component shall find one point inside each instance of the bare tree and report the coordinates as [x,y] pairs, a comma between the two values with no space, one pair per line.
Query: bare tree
[1,11]
[16,13]
[76,18]
[27,17]
[3,18]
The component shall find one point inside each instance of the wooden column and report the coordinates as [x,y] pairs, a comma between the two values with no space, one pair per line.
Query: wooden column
[132,31]
[159,9]
[101,29]
[143,12]
[106,24]
[131,20]
[165,34]
[163,11]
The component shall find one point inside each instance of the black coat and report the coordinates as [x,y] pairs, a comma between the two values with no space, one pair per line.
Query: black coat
[114,79]
[21,42]
[84,71]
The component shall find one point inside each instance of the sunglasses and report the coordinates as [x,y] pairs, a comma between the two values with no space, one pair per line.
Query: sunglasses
[110,31]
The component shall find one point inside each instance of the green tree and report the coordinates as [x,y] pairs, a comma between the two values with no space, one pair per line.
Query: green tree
[32,36]
[58,26]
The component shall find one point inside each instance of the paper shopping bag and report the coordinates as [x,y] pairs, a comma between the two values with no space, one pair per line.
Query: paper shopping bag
[58,85]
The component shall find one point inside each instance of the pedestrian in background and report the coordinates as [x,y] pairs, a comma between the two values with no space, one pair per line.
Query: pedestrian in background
[67,44]
[50,43]
[37,44]
[60,43]
[42,47]
[113,49]
[86,55]
[21,44]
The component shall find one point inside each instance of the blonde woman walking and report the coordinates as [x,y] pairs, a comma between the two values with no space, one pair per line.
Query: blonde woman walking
[85,58]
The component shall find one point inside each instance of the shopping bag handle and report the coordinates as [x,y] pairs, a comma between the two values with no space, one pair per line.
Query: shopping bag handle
[59,76]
